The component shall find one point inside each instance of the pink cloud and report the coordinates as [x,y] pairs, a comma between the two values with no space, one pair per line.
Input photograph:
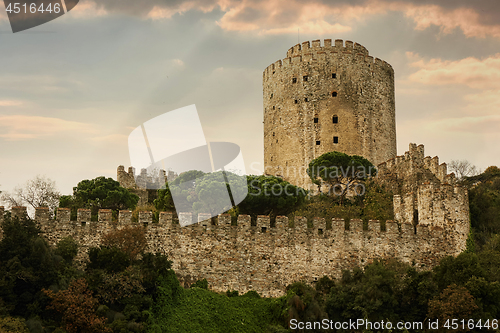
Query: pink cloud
[284,16]
[472,72]
[22,127]
[466,19]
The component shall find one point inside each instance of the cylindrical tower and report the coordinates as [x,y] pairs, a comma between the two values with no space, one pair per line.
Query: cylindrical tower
[326,98]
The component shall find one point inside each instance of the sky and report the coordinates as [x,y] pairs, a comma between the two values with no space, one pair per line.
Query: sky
[73,89]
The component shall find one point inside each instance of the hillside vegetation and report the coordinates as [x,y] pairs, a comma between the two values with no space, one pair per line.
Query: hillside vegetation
[123,289]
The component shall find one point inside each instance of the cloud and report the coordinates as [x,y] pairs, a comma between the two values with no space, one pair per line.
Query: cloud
[6,102]
[478,18]
[469,20]
[178,63]
[471,72]
[280,16]
[153,9]
[111,139]
[53,83]
[476,125]
[23,127]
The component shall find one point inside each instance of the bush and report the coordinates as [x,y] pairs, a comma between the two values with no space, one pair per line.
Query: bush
[67,248]
[203,284]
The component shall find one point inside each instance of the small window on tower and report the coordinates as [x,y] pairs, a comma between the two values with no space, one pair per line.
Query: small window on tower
[273,107]
[305,78]
[335,139]
[316,120]
[294,80]
[334,75]
[272,95]
[273,133]
[318,143]
[296,101]
[335,119]
[334,94]
[306,100]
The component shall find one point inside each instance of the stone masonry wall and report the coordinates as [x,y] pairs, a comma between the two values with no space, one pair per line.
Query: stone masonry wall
[261,257]
[312,85]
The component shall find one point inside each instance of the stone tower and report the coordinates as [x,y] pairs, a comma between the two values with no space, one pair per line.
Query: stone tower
[326,98]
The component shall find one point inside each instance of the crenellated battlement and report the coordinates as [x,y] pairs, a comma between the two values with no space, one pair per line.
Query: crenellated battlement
[314,51]
[404,174]
[333,96]
[266,255]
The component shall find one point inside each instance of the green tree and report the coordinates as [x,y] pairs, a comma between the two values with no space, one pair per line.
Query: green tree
[27,264]
[109,259]
[183,188]
[341,171]
[269,195]
[67,248]
[99,193]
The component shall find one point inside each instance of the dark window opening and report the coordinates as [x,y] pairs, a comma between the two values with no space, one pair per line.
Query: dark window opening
[335,139]
[296,101]
[316,120]
[264,229]
[318,143]
[272,95]
[294,80]
[273,133]
[334,75]
[334,94]
[320,231]
[276,140]
[305,78]
[145,224]
[273,107]
[306,100]
[335,119]
[274,72]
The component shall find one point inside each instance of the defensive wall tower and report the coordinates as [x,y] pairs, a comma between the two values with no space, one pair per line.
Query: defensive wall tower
[322,98]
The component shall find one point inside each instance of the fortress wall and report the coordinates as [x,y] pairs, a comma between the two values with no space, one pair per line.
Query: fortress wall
[263,258]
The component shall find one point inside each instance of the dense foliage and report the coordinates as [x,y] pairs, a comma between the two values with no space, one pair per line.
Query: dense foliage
[270,195]
[41,288]
[98,193]
[341,172]
[122,289]
[267,195]
[484,201]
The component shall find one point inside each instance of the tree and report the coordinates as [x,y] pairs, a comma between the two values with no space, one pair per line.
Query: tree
[341,171]
[130,240]
[78,308]
[13,325]
[454,302]
[183,188]
[99,193]
[270,195]
[463,168]
[38,192]
[27,264]
[67,248]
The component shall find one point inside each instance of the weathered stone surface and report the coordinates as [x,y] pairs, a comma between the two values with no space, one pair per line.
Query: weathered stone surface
[312,85]
[267,259]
